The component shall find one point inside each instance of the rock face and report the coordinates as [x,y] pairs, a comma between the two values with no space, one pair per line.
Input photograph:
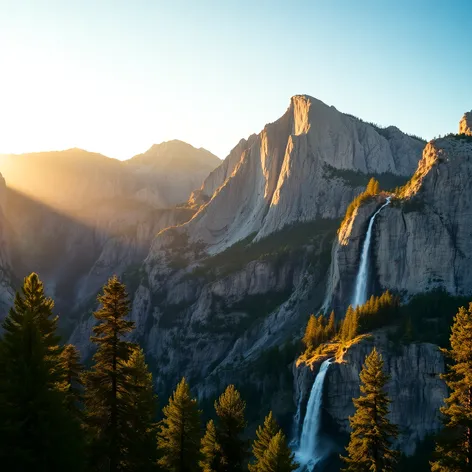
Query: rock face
[299,168]
[415,387]
[465,125]
[421,240]
[240,278]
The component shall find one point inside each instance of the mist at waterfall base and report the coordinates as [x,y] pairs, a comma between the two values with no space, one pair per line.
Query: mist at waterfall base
[360,287]
[309,451]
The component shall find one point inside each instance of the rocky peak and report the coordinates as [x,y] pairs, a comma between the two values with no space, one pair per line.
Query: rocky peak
[465,125]
[176,155]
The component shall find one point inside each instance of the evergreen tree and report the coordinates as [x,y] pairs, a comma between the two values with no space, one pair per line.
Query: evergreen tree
[36,430]
[179,432]
[107,390]
[278,456]
[72,383]
[310,333]
[33,300]
[454,453]
[369,448]
[373,187]
[210,450]
[331,326]
[230,410]
[346,328]
[354,324]
[264,435]
[141,450]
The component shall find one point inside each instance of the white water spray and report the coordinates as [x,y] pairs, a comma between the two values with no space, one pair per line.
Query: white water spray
[309,453]
[360,288]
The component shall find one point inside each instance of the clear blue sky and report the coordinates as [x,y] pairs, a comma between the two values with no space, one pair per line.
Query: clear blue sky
[115,76]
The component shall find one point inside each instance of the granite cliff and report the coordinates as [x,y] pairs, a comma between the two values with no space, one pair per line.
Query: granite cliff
[238,280]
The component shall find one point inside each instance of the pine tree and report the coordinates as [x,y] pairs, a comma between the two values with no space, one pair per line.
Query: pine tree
[454,454]
[33,300]
[72,383]
[141,450]
[278,456]
[230,410]
[369,448]
[179,432]
[346,328]
[210,450]
[354,324]
[36,430]
[264,435]
[331,326]
[107,393]
[310,333]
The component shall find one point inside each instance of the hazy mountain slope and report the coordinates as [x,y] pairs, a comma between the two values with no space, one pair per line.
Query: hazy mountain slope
[71,179]
[6,282]
[170,171]
[77,217]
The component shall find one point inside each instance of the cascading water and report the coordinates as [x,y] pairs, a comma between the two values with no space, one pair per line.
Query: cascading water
[309,454]
[360,288]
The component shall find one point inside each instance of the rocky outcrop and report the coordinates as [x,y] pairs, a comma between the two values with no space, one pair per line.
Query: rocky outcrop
[465,125]
[422,239]
[299,168]
[415,388]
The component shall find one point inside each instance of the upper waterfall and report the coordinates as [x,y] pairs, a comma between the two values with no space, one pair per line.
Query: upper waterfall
[360,287]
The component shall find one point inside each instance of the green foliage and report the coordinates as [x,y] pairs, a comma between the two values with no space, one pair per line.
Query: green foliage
[277,247]
[210,450]
[355,178]
[179,432]
[230,430]
[318,331]
[37,432]
[264,435]
[455,453]
[375,313]
[372,189]
[427,317]
[107,390]
[278,457]
[141,452]
[369,448]
[72,383]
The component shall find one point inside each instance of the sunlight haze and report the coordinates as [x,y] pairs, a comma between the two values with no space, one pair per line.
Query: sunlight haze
[116,77]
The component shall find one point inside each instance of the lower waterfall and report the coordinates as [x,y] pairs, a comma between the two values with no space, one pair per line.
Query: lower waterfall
[308,453]
[360,287]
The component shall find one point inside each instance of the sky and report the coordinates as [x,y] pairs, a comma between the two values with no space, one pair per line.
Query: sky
[116,76]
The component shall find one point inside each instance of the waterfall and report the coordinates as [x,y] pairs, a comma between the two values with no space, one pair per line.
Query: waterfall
[308,453]
[360,288]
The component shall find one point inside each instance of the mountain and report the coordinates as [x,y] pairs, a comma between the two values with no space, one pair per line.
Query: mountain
[72,179]
[219,294]
[170,171]
[222,286]
[77,217]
